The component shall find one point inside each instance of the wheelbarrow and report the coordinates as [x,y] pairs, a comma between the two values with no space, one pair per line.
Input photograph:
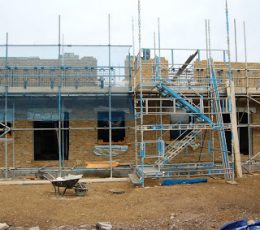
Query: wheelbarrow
[67,182]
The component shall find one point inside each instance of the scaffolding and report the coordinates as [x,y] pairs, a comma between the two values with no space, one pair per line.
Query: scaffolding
[180,111]
[175,108]
[173,112]
[181,104]
[66,89]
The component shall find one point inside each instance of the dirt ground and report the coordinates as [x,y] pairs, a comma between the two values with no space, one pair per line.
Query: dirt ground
[198,206]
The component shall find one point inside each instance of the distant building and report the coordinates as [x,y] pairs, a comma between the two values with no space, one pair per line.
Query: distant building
[34,71]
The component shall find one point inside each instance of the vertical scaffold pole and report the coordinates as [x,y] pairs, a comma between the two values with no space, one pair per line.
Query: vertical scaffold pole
[218,114]
[159,47]
[160,76]
[247,94]
[13,136]
[133,86]
[133,36]
[206,37]
[6,107]
[228,43]
[235,34]
[141,91]
[154,46]
[59,100]
[210,88]
[59,34]
[110,99]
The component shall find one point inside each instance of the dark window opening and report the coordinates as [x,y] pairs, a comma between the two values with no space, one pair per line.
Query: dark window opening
[243,133]
[46,145]
[118,126]
[228,134]
[242,118]
[181,133]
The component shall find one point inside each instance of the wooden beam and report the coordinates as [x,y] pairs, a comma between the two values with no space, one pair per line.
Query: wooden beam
[233,117]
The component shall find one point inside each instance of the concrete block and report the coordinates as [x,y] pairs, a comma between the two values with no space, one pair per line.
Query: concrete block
[3,226]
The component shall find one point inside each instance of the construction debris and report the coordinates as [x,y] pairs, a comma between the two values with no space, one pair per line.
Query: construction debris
[117,191]
[3,226]
[35,228]
[104,226]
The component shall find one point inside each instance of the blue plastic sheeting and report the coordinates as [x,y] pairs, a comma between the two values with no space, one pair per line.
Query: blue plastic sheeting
[9,115]
[241,225]
[183,181]
[254,227]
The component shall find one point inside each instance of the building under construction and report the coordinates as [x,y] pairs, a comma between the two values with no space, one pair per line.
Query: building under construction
[157,113]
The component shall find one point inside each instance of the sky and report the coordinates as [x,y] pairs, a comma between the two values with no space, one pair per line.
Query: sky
[86,22]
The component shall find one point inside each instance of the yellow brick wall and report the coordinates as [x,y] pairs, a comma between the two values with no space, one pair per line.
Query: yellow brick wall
[148,70]
[239,73]
[81,143]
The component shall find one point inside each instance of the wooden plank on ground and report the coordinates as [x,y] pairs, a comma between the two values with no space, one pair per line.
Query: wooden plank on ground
[101,164]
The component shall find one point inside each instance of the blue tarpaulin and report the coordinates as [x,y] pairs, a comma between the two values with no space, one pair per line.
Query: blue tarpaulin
[241,225]
[183,181]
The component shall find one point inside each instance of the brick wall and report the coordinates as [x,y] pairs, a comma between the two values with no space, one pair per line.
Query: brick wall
[81,144]
[240,72]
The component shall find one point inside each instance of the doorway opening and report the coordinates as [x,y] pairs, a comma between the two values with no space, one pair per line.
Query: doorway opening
[46,144]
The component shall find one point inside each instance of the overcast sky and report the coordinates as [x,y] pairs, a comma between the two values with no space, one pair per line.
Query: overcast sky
[85,22]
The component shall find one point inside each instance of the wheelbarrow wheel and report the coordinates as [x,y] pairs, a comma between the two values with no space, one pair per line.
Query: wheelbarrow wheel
[80,189]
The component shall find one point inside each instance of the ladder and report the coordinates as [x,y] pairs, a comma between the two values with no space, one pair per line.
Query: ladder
[220,124]
[177,146]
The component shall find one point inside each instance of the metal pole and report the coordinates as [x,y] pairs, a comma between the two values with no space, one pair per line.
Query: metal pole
[141,90]
[210,138]
[245,42]
[62,118]
[228,43]
[154,45]
[110,99]
[160,77]
[133,35]
[6,144]
[211,85]
[13,136]
[235,143]
[139,25]
[6,49]
[6,107]
[159,46]
[247,93]
[209,41]
[59,104]
[235,31]
[206,36]
[59,31]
